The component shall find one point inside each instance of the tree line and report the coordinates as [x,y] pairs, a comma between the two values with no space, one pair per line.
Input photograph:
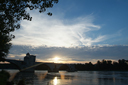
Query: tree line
[104,65]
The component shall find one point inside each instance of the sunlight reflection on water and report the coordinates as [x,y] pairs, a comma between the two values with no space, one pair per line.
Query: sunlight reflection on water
[55,81]
[72,78]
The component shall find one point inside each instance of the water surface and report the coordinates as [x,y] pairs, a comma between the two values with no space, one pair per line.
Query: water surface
[72,78]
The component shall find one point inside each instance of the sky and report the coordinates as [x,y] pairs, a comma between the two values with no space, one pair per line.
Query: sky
[79,31]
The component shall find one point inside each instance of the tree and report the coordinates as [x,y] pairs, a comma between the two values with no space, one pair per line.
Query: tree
[11,12]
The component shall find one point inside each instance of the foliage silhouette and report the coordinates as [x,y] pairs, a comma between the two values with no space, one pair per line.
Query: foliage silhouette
[4,76]
[11,12]
[104,65]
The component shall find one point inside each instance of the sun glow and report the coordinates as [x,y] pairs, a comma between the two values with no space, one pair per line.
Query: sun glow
[56,59]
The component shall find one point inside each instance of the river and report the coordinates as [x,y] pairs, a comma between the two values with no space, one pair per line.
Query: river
[72,78]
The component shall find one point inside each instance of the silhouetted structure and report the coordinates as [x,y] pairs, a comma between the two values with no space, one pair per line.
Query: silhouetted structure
[29,64]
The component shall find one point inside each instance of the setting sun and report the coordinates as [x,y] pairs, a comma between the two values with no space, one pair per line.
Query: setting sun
[56,59]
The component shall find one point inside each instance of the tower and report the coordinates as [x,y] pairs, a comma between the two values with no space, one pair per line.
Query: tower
[29,60]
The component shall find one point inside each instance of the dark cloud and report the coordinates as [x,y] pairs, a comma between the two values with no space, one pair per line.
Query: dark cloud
[74,53]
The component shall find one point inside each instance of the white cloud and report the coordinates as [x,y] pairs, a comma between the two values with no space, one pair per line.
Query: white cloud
[53,31]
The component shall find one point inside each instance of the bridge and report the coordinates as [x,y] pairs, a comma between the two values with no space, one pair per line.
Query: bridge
[29,64]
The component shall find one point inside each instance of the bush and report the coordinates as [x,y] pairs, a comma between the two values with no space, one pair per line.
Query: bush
[4,76]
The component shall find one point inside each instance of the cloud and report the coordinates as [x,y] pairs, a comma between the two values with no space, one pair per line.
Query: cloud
[55,31]
[72,54]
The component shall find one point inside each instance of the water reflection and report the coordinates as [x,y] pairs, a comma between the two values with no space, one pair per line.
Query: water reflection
[55,81]
[42,77]
[28,77]
[75,78]
[115,77]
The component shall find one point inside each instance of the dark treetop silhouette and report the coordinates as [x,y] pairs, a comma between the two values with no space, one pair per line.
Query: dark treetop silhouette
[11,12]
[105,65]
